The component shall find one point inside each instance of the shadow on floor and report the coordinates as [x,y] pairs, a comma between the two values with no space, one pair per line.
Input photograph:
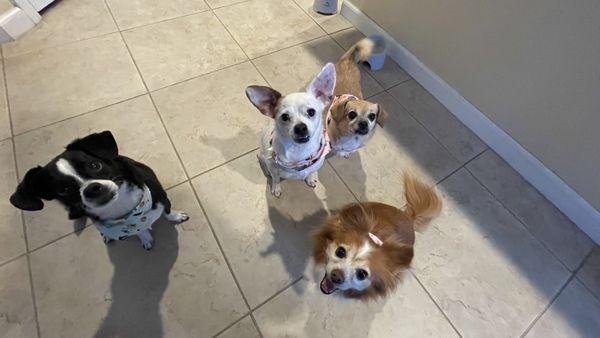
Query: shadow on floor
[139,282]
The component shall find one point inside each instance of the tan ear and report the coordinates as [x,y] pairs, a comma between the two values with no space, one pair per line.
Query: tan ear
[338,111]
[382,115]
[263,98]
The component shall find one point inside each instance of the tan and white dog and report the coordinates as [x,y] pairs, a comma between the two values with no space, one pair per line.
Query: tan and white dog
[350,119]
[294,144]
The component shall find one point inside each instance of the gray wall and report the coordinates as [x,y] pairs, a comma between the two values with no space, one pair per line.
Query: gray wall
[533,67]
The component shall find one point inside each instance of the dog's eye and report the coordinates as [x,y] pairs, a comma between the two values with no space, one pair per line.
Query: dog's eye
[94,165]
[340,252]
[361,274]
[352,115]
[285,117]
[311,112]
[371,116]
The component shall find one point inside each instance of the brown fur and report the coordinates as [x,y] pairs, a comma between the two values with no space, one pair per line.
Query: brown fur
[395,227]
[348,82]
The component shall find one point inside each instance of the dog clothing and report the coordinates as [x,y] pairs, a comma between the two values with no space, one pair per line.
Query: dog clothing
[324,149]
[131,224]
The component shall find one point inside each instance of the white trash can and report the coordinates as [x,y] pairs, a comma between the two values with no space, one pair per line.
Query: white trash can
[326,7]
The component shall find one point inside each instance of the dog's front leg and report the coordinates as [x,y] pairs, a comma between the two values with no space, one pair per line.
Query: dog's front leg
[176,216]
[275,184]
[312,179]
[146,239]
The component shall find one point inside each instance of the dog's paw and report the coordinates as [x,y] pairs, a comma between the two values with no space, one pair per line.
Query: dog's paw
[106,240]
[147,245]
[311,182]
[276,190]
[346,155]
[177,216]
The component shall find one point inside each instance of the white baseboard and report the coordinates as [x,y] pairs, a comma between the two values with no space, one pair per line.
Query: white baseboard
[543,179]
[14,23]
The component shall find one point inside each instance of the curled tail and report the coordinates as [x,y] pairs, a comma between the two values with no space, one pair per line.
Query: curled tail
[422,201]
[361,51]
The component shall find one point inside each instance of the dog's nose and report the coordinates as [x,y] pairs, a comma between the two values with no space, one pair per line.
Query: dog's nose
[337,276]
[94,190]
[363,125]
[301,129]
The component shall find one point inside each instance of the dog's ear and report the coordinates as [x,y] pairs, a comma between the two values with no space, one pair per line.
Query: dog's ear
[382,115]
[101,145]
[264,98]
[27,197]
[323,85]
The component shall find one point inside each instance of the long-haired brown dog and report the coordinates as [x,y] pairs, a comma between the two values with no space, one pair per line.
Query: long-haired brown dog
[365,247]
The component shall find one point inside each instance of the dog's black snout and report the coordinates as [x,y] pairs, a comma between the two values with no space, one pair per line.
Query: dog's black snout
[337,276]
[301,129]
[363,125]
[94,190]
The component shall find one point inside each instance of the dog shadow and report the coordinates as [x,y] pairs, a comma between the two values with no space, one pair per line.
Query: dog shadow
[138,284]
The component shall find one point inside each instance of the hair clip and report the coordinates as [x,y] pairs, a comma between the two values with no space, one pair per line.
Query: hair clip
[375,239]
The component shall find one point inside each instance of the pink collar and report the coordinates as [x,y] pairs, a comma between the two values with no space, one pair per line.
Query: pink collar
[324,149]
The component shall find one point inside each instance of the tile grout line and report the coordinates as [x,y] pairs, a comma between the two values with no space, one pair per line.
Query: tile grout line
[270,298]
[187,176]
[555,297]
[229,326]
[423,125]
[434,302]
[223,164]
[21,214]
[461,166]
[78,115]
[521,222]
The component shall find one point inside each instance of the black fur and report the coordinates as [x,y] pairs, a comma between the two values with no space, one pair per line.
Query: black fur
[47,183]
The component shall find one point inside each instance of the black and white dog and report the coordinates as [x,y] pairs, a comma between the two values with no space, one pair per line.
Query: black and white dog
[123,197]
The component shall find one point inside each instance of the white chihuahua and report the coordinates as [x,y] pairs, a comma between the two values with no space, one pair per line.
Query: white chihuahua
[295,144]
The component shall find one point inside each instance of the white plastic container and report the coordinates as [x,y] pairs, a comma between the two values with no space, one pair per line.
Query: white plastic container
[377,59]
[326,7]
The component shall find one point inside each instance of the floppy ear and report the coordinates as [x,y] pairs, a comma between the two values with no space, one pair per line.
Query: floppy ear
[323,85]
[101,145]
[264,98]
[382,115]
[27,197]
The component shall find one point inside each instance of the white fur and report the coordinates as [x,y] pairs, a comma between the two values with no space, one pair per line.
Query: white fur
[65,168]
[355,258]
[126,198]
[278,136]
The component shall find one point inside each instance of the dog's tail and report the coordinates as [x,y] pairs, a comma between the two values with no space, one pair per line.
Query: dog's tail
[361,51]
[422,201]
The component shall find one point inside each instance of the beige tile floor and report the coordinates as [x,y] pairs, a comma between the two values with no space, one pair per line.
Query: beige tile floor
[168,78]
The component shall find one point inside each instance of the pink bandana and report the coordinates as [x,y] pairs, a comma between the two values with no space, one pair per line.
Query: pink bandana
[324,149]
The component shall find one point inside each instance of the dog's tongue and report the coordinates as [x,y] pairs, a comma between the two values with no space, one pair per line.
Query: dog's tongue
[327,286]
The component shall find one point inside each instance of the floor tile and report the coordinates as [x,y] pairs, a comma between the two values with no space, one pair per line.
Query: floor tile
[133,13]
[292,69]
[17,318]
[176,50]
[375,172]
[575,313]
[210,119]
[303,311]
[222,3]
[589,274]
[455,136]
[265,239]
[243,329]
[282,24]
[330,23]
[182,287]
[12,241]
[544,221]
[390,75]
[57,83]
[4,119]
[63,22]
[486,272]
[147,143]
